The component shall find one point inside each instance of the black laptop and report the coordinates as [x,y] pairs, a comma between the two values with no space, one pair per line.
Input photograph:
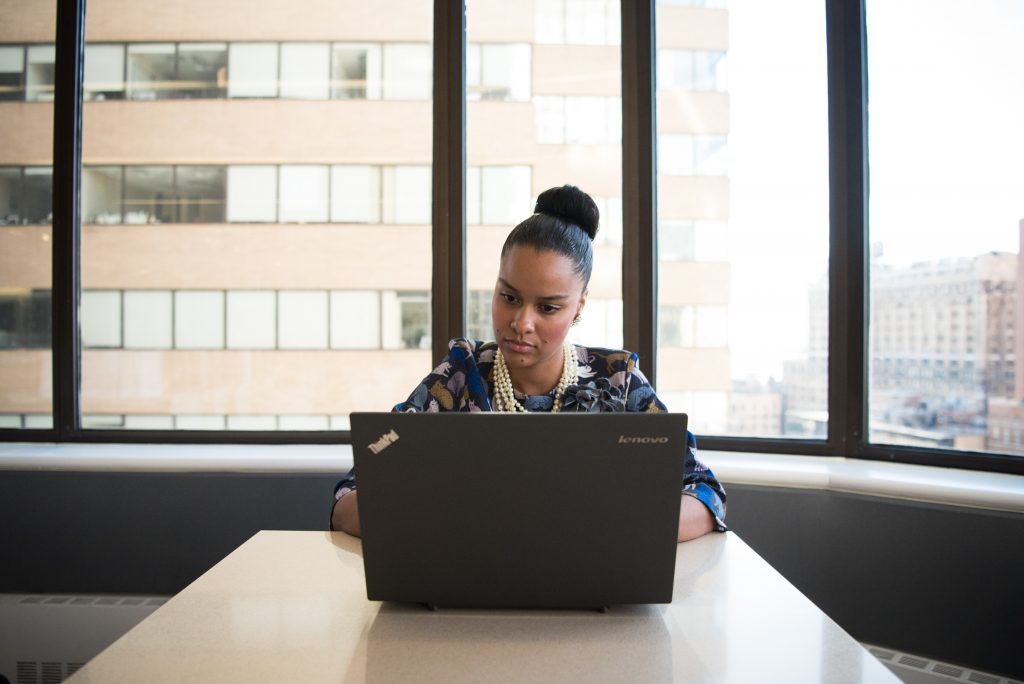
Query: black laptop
[525,511]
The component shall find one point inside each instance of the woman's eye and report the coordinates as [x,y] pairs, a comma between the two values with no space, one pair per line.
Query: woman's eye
[508,298]
[548,309]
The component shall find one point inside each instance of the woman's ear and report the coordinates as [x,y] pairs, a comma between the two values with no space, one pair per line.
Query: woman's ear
[582,303]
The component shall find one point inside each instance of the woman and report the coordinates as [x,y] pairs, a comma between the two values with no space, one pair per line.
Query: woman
[540,293]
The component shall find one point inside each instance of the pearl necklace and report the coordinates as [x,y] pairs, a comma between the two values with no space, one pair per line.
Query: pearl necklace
[505,397]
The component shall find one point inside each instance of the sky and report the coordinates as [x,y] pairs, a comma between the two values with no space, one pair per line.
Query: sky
[946,150]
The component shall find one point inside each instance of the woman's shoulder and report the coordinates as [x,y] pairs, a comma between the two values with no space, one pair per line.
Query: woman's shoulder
[466,348]
[606,359]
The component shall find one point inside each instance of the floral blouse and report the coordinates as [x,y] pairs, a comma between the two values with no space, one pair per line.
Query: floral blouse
[608,380]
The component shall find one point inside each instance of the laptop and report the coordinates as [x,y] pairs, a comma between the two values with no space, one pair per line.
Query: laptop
[489,510]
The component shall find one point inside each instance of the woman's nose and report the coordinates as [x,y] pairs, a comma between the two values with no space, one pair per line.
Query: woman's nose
[522,323]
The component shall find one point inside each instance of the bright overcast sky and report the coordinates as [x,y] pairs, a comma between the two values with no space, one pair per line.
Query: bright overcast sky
[946,150]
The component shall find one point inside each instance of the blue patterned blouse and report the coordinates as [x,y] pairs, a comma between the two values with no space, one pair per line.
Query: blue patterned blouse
[464,382]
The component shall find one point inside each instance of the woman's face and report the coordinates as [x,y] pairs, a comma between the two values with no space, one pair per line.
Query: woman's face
[536,298]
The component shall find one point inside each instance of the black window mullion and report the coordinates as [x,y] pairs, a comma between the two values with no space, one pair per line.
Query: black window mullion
[67,158]
[448,296]
[639,185]
[848,184]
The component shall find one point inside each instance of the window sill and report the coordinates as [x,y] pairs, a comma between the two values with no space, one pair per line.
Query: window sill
[948,486]
[930,484]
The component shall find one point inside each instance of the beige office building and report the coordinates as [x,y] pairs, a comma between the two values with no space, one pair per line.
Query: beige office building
[256,198]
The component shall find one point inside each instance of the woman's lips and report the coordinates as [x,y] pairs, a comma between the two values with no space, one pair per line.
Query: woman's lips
[519,347]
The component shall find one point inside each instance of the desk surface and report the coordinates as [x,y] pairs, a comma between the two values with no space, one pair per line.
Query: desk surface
[291,606]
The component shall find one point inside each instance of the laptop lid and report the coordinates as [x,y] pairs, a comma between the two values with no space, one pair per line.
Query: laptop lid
[535,510]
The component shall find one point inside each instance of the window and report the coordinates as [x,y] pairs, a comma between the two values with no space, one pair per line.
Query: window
[695,70]
[252,70]
[302,320]
[37,195]
[407,71]
[147,319]
[12,72]
[946,229]
[498,72]
[198,319]
[202,70]
[303,194]
[742,218]
[355,194]
[151,71]
[501,195]
[580,22]
[407,196]
[305,71]
[252,320]
[101,318]
[564,129]
[355,320]
[355,71]
[25,319]
[39,74]
[252,194]
[104,72]
[231,244]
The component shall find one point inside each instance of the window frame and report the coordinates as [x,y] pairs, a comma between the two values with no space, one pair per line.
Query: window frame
[848,274]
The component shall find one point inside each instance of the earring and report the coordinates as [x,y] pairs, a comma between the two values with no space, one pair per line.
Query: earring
[576,320]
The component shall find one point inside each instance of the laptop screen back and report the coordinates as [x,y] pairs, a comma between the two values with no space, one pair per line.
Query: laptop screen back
[504,510]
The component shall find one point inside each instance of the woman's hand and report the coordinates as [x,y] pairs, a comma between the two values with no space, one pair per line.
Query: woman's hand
[694,519]
[345,516]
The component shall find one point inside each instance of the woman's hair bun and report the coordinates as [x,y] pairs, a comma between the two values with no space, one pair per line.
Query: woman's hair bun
[572,205]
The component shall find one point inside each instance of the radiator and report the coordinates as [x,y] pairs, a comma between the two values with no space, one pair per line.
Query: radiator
[44,638]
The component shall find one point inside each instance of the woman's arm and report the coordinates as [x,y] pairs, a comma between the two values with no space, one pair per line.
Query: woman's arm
[345,516]
[695,520]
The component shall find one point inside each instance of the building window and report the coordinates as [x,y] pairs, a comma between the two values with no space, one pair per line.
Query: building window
[252,70]
[12,72]
[252,194]
[579,22]
[498,195]
[407,198]
[355,194]
[25,319]
[302,320]
[578,119]
[40,71]
[251,319]
[698,70]
[355,320]
[202,70]
[147,319]
[498,72]
[151,71]
[198,319]
[681,154]
[355,71]
[37,195]
[104,72]
[405,320]
[303,194]
[100,318]
[305,71]
[408,71]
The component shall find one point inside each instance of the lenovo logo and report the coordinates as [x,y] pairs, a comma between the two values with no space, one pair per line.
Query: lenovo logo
[384,442]
[623,439]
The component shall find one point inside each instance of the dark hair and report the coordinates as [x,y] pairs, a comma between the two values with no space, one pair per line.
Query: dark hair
[564,221]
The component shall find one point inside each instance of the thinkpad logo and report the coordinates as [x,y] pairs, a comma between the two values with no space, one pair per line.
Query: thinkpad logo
[384,442]
[623,439]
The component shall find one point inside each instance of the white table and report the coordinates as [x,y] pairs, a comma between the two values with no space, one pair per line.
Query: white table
[292,607]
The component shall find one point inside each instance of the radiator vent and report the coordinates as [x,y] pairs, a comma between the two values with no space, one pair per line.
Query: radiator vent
[33,672]
[903,664]
[48,637]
